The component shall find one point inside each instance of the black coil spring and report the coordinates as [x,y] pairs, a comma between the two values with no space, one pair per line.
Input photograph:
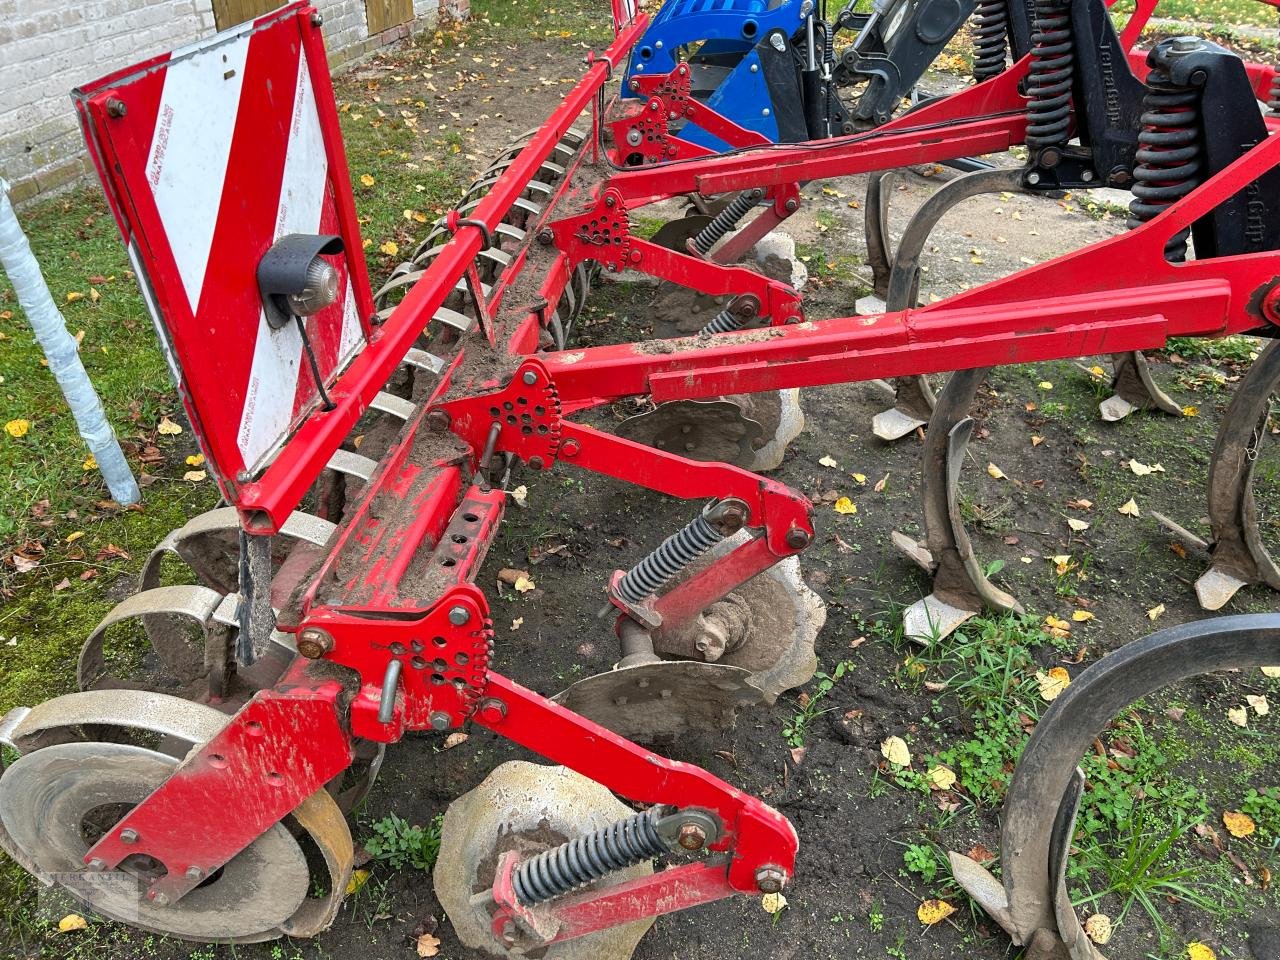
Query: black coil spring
[1169,154]
[1051,71]
[673,555]
[990,39]
[725,221]
[561,869]
[723,322]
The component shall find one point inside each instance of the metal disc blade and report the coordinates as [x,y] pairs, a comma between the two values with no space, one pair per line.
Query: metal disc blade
[674,233]
[660,701]
[54,802]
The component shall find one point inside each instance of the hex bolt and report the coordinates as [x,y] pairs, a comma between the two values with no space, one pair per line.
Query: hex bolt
[440,720]
[792,205]
[635,84]
[492,710]
[317,20]
[536,463]
[116,108]
[97,865]
[798,538]
[160,899]
[314,643]
[529,378]
[195,873]
[691,837]
[570,449]
[770,879]
[438,421]
[459,616]
[610,201]
[128,835]
[546,237]
[1033,178]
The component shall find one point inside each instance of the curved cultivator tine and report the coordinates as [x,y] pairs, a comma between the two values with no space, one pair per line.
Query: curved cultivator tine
[960,585]
[1134,389]
[1031,901]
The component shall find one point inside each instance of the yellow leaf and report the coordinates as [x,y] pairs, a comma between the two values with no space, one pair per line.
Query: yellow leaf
[1053,683]
[995,472]
[523,585]
[1098,372]
[74,536]
[428,946]
[1081,616]
[1272,672]
[1259,704]
[517,623]
[17,428]
[94,295]
[167,428]
[894,749]
[1079,526]
[773,902]
[196,461]
[1239,716]
[1098,928]
[828,461]
[72,921]
[844,505]
[367,180]
[195,476]
[860,477]
[1156,612]
[941,778]
[1238,824]
[358,880]
[1129,508]
[520,494]
[1198,951]
[934,911]
[1191,411]
[1045,385]
[90,463]
[390,248]
[1139,469]
[74,295]
[1036,441]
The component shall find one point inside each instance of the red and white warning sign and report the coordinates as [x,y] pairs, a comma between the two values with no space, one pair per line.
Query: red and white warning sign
[208,156]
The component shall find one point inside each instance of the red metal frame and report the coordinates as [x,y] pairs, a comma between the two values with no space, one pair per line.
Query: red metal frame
[396,596]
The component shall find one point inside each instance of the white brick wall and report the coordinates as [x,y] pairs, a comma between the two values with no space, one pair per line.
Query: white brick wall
[48,47]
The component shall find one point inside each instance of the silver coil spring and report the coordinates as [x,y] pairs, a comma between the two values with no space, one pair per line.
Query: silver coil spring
[584,859]
[725,221]
[1050,76]
[672,555]
[723,322]
[990,39]
[1169,155]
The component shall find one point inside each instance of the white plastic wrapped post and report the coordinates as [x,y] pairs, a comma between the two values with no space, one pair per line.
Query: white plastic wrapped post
[62,352]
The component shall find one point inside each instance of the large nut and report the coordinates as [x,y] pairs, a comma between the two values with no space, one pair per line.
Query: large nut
[771,879]
[691,837]
[314,643]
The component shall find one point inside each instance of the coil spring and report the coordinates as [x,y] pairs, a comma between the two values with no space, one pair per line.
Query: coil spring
[1051,71]
[990,38]
[673,555]
[725,221]
[561,869]
[1168,157]
[723,322]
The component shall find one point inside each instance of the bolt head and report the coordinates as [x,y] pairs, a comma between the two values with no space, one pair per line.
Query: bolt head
[97,865]
[1033,178]
[195,873]
[438,420]
[770,879]
[635,84]
[691,837]
[128,835]
[116,108]
[536,463]
[440,720]
[792,205]
[529,378]
[159,899]
[798,538]
[459,616]
[314,643]
[570,449]
[317,20]
[492,710]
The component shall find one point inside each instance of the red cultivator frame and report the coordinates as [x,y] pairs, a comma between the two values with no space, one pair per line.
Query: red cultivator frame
[217,160]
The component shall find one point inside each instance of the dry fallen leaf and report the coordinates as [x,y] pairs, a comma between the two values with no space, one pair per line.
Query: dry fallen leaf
[1190,411]
[880,485]
[367,180]
[1045,385]
[358,880]
[941,778]
[1079,526]
[1141,469]
[1259,704]
[1156,612]
[520,494]
[844,505]
[1129,509]
[1098,928]
[196,461]
[934,911]
[523,585]
[389,247]
[860,478]
[17,428]
[994,472]
[167,428]
[72,921]
[828,461]
[428,946]
[517,623]
[1272,672]
[1238,824]
[1239,716]
[90,463]
[1036,441]
[1053,683]
[455,738]
[1080,616]
[195,476]
[773,902]
[1198,951]
[894,749]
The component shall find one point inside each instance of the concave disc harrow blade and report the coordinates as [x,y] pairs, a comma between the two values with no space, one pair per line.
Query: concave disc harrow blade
[62,792]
